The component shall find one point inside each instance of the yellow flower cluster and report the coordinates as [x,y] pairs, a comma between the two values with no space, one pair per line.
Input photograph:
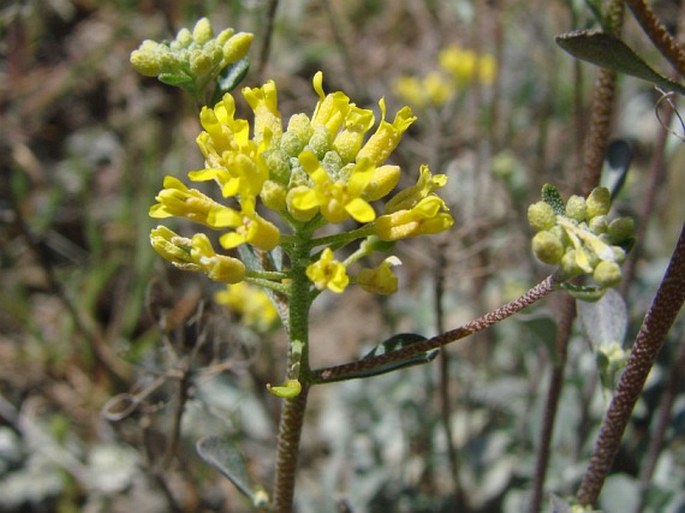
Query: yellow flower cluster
[317,170]
[458,69]
[251,303]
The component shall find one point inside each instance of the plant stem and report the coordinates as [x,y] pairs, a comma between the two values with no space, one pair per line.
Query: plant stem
[664,42]
[661,315]
[602,109]
[289,431]
[556,383]
[292,414]
[340,372]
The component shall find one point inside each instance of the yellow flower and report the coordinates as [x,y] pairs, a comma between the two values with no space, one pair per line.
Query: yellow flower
[337,200]
[251,303]
[380,280]
[234,161]
[196,254]
[410,89]
[174,248]
[387,136]
[332,109]
[409,197]
[251,228]
[328,273]
[430,215]
[177,200]
[349,141]
[437,89]
[221,268]
[466,66]
[264,103]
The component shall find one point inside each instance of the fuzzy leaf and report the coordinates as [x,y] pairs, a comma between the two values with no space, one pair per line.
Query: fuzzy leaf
[225,457]
[395,343]
[604,321]
[618,159]
[232,75]
[551,196]
[610,52]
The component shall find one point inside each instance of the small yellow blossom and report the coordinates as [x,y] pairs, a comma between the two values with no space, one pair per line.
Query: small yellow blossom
[411,196]
[177,200]
[251,303]
[338,200]
[380,280]
[252,228]
[328,273]
[264,103]
[438,89]
[430,215]
[174,248]
[221,268]
[466,66]
[387,136]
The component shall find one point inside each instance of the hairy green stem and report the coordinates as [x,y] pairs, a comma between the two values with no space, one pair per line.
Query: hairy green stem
[661,315]
[292,414]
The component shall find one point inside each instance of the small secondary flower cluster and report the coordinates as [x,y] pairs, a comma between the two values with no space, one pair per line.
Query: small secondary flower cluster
[458,69]
[193,59]
[579,237]
[318,170]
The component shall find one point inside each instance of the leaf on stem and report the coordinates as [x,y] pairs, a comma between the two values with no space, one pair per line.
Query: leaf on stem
[225,457]
[394,343]
[610,52]
[232,75]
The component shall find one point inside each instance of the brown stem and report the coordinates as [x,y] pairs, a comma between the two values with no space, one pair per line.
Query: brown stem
[657,439]
[564,325]
[340,372]
[664,42]
[445,399]
[602,110]
[661,315]
[289,431]
[268,33]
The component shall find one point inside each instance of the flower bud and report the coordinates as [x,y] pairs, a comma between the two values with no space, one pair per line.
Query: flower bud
[621,229]
[183,38]
[607,274]
[202,32]
[547,247]
[598,202]
[541,216]
[237,47]
[575,208]
[599,224]
[273,195]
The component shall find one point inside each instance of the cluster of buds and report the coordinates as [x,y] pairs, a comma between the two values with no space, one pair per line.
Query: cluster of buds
[194,59]
[458,68]
[579,237]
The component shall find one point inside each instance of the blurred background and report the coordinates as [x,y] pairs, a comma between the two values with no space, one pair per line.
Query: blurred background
[113,364]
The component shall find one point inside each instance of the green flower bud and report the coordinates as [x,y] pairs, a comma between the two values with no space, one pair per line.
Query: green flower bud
[607,274]
[547,247]
[224,36]
[621,229]
[599,224]
[541,216]
[278,163]
[598,202]
[237,47]
[575,208]
[146,63]
[200,63]
[320,141]
[273,195]
[297,135]
[569,264]
[202,32]
[183,39]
